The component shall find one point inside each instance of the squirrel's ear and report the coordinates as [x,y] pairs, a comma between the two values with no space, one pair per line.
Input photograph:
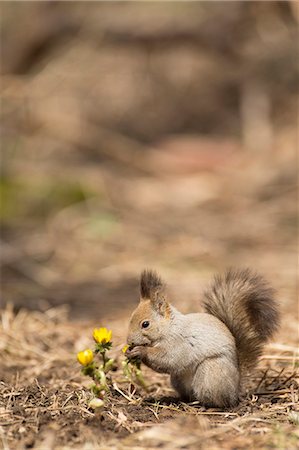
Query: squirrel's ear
[160,304]
[152,288]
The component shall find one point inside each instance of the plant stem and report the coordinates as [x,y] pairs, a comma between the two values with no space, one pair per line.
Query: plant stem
[104,359]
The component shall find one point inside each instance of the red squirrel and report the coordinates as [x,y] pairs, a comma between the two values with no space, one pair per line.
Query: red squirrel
[205,353]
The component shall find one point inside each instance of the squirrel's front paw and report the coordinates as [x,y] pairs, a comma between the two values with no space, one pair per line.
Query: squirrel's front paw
[138,351]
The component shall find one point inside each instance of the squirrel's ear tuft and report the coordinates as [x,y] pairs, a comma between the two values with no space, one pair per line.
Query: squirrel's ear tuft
[153,289]
[150,284]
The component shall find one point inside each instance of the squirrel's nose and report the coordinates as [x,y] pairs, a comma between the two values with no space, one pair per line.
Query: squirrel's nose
[130,341]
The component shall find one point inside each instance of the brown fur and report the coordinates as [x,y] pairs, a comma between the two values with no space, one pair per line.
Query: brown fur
[150,284]
[244,302]
[153,288]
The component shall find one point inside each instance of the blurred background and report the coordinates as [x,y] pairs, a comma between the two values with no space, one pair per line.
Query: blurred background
[140,134]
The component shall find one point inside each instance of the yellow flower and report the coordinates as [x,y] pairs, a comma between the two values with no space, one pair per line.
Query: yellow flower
[102,335]
[125,348]
[85,357]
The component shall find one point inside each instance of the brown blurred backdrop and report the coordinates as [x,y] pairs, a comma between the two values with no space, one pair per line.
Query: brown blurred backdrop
[145,135]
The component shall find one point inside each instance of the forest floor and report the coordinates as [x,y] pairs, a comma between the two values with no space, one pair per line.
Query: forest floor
[44,396]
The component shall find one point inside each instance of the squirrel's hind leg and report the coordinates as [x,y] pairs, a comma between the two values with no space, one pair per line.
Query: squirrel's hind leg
[216,382]
[182,383]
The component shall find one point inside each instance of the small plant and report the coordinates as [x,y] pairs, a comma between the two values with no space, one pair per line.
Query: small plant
[99,369]
[132,370]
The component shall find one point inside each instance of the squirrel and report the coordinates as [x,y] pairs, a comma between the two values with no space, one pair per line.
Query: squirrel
[205,354]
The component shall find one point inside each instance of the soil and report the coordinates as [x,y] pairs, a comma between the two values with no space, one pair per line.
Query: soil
[44,398]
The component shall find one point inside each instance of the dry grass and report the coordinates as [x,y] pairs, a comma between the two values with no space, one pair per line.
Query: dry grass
[44,398]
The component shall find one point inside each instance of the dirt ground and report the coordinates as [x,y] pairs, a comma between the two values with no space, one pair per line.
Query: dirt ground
[44,397]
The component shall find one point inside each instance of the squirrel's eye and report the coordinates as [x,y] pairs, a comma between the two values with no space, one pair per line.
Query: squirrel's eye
[145,324]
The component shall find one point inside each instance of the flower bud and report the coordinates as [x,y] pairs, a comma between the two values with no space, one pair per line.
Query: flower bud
[85,357]
[96,403]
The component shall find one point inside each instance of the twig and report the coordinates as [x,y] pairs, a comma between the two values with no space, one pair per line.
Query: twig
[282,391]
[280,358]
[262,379]
[123,394]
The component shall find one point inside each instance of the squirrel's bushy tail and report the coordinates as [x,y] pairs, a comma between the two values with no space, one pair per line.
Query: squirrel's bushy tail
[244,302]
